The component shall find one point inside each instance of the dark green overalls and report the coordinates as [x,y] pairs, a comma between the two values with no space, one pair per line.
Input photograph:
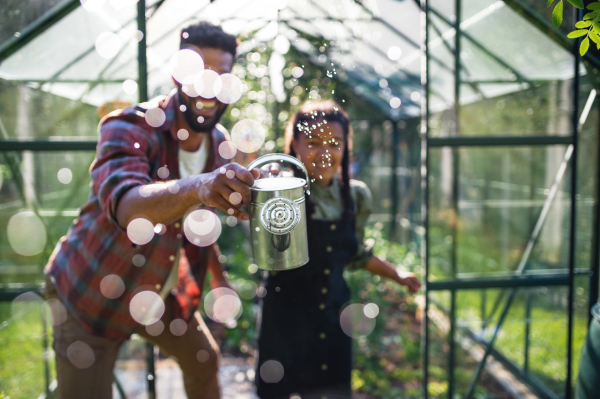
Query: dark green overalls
[300,325]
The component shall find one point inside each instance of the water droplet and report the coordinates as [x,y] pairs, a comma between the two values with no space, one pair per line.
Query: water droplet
[183,134]
[173,188]
[231,221]
[200,119]
[65,175]
[138,260]
[227,150]
[222,170]
[248,135]
[136,145]
[222,305]
[247,289]
[394,53]
[297,72]
[371,310]
[202,227]
[155,117]
[261,292]
[202,356]
[56,310]
[80,355]
[208,84]
[354,322]
[146,307]
[178,327]
[112,286]
[160,229]
[395,102]
[231,88]
[271,371]
[140,231]
[130,86]
[252,268]
[26,234]
[186,65]
[155,329]
[108,44]
[230,174]
[163,172]
[235,198]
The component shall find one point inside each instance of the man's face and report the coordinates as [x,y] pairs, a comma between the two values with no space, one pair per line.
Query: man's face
[208,111]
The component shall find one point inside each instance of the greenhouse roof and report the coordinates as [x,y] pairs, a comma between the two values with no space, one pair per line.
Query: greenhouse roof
[374,46]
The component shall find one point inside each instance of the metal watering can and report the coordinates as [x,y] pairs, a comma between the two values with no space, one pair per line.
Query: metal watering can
[278,217]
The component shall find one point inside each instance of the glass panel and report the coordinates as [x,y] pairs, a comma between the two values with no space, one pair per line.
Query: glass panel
[531,338]
[28,113]
[15,15]
[40,193]
[507,110]
[501,194]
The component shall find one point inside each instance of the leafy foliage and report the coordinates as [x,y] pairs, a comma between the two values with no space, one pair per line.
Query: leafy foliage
[589,26]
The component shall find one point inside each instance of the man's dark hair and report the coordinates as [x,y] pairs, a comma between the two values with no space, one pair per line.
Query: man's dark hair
[205,34]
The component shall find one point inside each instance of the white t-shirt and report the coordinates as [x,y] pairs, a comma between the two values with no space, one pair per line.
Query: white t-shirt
[190,163]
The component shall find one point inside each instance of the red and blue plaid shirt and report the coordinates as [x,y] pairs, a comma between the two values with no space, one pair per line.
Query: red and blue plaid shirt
[129,154]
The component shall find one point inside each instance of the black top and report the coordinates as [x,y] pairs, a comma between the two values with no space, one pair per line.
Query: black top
[300,326]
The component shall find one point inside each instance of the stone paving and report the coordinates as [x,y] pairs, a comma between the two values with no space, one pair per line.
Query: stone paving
[235,374]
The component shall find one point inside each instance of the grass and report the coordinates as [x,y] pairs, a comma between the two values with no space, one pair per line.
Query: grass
[22,371]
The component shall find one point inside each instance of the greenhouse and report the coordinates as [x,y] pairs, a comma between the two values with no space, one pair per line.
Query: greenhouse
[475,126]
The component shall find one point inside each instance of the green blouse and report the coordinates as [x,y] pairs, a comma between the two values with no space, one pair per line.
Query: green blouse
[329,206]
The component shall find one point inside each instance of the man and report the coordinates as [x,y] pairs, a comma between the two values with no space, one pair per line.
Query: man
[155,162]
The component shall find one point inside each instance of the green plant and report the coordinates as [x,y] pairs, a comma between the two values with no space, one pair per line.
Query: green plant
[589,26]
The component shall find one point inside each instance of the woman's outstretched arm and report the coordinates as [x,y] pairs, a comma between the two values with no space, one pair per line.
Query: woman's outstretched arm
[386,269]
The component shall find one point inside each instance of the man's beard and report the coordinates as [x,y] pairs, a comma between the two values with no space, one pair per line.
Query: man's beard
[209,124]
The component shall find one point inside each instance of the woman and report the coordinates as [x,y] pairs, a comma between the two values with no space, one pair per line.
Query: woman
[299,326]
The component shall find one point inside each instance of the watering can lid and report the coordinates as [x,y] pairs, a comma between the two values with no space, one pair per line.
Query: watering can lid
[278,183]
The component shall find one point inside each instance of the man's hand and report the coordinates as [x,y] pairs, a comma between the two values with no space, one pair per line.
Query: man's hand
[227,188]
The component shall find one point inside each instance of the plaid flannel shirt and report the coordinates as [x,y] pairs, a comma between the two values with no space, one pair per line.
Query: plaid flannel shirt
[129,154]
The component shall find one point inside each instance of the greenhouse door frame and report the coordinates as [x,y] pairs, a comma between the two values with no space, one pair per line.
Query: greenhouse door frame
[564,279]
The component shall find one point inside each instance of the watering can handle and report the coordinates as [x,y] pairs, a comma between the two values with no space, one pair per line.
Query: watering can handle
[265,159]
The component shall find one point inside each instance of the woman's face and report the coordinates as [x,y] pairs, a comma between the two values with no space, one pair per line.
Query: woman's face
[320,146]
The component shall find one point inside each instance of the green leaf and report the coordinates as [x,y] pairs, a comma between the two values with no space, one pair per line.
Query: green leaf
[590,15]
[595,37]
[577,3]
[596,27]
[583,24]
[585,45]
[557,14]
[577,33]
[550,2]
[594,6]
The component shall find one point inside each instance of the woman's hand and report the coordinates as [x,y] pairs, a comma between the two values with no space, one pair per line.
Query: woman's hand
[272,169]
[409,280]
[386,269]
